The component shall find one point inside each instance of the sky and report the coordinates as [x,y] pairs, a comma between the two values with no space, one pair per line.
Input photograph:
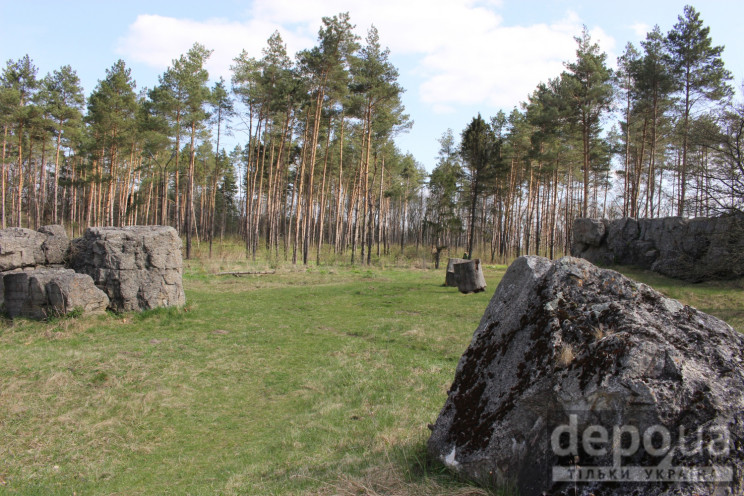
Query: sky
[456,58]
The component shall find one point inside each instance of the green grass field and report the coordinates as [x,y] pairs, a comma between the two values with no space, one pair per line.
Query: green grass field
[318,381]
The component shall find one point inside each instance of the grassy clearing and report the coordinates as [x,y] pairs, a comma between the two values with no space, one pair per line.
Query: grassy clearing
[316,381]
[301,382]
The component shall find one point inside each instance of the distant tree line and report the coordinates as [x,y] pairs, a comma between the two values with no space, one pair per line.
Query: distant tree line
[319,166]
[319,172]
[514,185]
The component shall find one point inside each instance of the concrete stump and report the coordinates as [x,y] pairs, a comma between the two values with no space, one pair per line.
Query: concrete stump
[450,279]
[469,276]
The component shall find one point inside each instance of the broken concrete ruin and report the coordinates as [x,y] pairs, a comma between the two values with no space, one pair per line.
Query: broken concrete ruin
[43,273]
[567,345]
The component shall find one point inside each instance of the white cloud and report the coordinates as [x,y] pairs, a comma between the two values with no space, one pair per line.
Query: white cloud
[640,29]
[499,65]
[440,109]
[156,40]
[462,50]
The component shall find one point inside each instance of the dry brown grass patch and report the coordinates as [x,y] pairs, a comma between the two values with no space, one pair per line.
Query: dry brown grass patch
[388,480]
[566,355]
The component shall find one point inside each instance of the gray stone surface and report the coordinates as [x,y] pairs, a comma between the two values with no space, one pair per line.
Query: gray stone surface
[56,244]
[565,336]
[690,249]
[450,278]
[51,292]
[590,232]
[139,267]
[469,276]
[21,247]
[72,291]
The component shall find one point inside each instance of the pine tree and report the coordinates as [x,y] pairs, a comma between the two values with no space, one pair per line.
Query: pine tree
[192,78]
[478,151]
[626,82]
[222,111]
[66,100]
[444,190]
[7,97]
[325,68]
[590,95]
[654,86]
[377,94]
[700,76]
[20,84]
[112,110]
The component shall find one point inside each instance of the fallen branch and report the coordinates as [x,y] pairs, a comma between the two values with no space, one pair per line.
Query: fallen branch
[246,273]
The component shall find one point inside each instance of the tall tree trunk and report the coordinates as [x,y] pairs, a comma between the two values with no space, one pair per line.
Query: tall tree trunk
[634,207]
[190,192]
[55,218]
[177,173]
[365,179]
[109,208]
[270,199]
[73,192]
[651,184]
[370,213]
[126,200]
[626,187]
[33,192]
[164,196]
[259,199]
[42,184]
[339,196]
[356,194]
[585,135]
[298,212]
[89,212]
[311,175]
[148,203]
[554,213]
[528,214]
[3,173]
[685,132]
[322,193]
[215,177]
[19,209]
[568,210]
[380,205]
[279,198]
[473,204]
[404,217]
[255,149]
[537,209]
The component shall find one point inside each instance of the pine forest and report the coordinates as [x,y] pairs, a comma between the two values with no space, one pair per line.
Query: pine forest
[319,175]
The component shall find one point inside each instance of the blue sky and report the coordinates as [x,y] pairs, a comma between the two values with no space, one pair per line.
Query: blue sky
[456,57]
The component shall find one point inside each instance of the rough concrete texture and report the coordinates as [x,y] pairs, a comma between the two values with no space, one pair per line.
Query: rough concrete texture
[469,276]
[56,244]
[43,293]
[565,336]
[139,267]
[21,247]
[690,249]
[450,279]
[72,291]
